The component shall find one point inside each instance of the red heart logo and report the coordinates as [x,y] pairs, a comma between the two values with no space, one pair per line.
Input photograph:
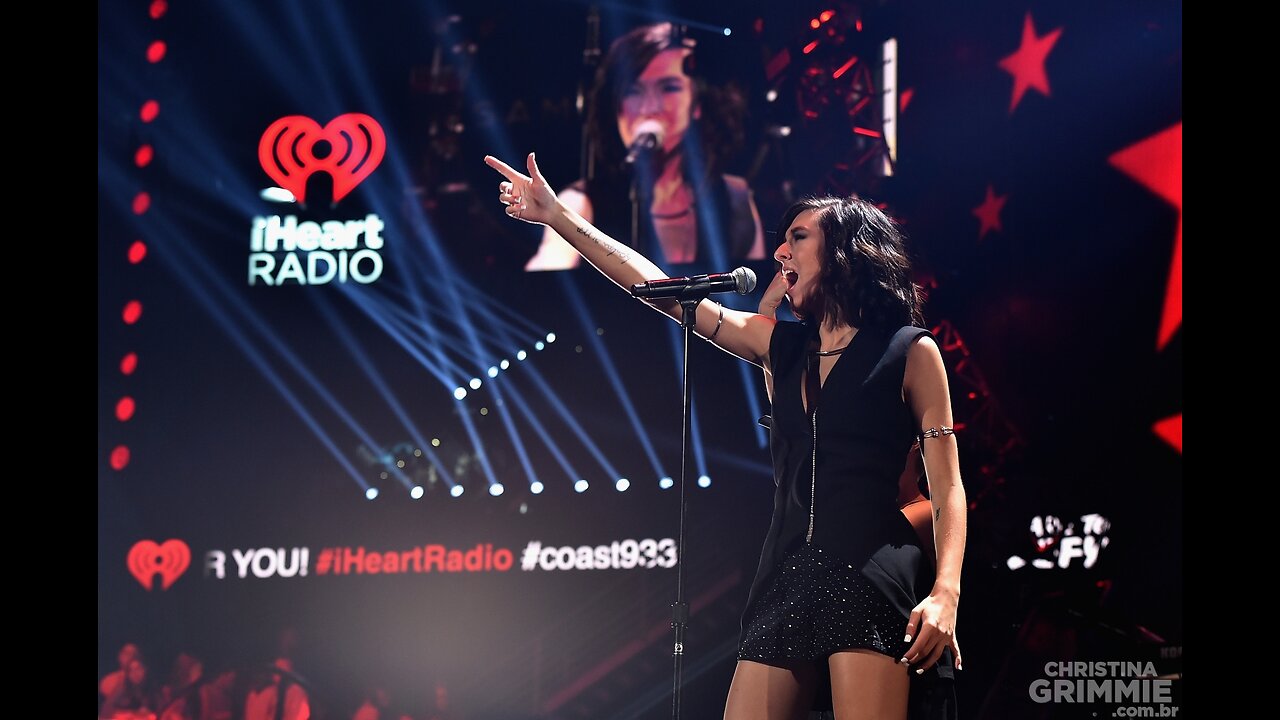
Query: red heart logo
[170,560]
[287,152]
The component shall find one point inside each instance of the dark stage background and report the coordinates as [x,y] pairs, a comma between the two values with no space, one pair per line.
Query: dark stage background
[1038,177]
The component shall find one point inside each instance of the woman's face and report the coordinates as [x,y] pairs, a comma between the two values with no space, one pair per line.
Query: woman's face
[800,256]
[663,94]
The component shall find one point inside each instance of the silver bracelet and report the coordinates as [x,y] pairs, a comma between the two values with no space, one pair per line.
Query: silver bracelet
[935,432]
[712,336]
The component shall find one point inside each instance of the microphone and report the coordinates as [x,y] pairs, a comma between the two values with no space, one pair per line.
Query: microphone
[648,138]
[741,281]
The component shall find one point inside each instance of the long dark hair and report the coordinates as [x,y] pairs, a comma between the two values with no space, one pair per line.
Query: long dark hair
[866,274]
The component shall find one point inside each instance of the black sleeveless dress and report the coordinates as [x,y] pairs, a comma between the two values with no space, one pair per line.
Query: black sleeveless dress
[852,582]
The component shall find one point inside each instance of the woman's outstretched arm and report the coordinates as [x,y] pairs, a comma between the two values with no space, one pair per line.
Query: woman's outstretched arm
[531,199]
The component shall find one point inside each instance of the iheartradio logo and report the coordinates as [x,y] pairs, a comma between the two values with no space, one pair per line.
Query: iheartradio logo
[169,560]
[287,152]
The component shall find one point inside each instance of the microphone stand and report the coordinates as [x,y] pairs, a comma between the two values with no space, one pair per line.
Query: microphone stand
[590,59]
[680,609]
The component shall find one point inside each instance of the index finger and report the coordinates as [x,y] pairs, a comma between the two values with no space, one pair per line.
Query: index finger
[507,171]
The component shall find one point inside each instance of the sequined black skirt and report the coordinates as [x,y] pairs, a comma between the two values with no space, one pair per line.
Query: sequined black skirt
[816,606]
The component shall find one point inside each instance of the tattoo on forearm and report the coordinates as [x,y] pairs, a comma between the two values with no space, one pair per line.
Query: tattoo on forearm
[610,249]
[937,514]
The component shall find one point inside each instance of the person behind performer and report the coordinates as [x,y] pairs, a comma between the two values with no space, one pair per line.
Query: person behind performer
[273,683]
[844,592]
[134,698]
[647,89]
[179,696]
[114,680]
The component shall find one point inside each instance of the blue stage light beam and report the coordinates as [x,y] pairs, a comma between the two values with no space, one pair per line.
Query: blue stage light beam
[610,369]
[366,364]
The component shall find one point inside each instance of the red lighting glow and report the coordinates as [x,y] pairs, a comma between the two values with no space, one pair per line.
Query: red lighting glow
[809,48]
[141,203]
[844,68]
[155,51]
[119,457]
[814,23]
[858,25]
[827,15]
[132,312]
[143,156]
[137,251]
[866,131]
[158,9]
[129,363]
[125,408]
[150,109]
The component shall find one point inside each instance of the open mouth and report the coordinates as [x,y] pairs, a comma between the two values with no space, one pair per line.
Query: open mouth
[791,277]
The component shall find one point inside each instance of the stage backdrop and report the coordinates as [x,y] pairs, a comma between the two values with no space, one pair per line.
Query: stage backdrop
[338,421]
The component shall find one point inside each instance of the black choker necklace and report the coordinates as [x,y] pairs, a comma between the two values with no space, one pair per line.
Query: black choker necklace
[829,353]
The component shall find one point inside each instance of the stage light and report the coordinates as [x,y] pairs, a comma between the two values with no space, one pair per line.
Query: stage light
[383,476]
[535,487]
[371,493]
[496,489]
[581,486]
[119,457]
[504,364]
[435,442]
[137,251]
[728,32]
[399,463]
[538,345]
[493,372]
[522,355]
[622,484]
[771,96]
[417,452]
[551,337]
[129,363]
[460,393]
[475,383]
[125,408]
[416,492]
[456,491]
[484,411]
[666,483]
[277,194]
[704,481]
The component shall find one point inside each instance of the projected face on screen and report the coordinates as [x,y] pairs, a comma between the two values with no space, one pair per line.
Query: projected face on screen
[660,101]
[662,139]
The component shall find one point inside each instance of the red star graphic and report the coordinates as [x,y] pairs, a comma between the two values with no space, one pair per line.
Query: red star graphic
[1156,163]
[988,212]
[1027,64]
[1170,430]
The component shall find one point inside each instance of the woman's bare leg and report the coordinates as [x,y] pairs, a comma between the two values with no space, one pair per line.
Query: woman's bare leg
[765,692]
[867,685]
